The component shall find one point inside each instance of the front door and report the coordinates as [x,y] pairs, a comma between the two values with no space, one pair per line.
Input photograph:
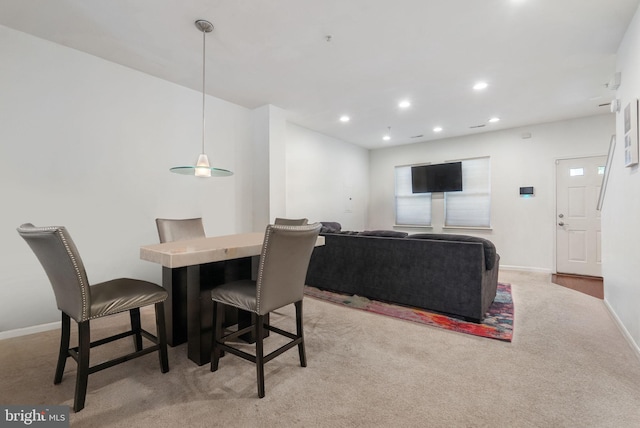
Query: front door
[578,237]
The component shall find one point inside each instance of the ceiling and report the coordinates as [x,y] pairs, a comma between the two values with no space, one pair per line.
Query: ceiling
[543,60]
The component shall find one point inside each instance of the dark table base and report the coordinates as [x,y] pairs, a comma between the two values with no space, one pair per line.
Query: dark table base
[189,308]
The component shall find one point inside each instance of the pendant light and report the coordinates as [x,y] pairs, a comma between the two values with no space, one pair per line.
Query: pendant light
[387,136]
[202,167]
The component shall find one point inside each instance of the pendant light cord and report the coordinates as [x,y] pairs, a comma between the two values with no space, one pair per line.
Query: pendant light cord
[204,41]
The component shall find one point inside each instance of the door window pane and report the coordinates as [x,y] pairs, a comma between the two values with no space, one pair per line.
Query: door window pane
[573,172]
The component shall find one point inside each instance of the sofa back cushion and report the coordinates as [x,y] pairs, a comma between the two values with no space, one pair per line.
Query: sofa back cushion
[330,227]
[489,248]
[384,233]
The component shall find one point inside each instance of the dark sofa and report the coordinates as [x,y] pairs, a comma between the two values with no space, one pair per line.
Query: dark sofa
[452,274]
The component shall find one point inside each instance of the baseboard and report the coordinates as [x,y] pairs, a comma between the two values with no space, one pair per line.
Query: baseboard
[29,330]
[634,346]
[526,269]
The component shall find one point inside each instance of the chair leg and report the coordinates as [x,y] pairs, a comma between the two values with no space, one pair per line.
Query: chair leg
[64,348]
[218,315]
[136,327]
[259,334]
[84,342]
[300,333]
[161,332]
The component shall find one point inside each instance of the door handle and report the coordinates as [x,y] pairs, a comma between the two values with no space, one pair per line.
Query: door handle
[561,223]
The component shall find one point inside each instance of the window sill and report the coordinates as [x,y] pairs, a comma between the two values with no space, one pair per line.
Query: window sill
[412,226]
[468,227]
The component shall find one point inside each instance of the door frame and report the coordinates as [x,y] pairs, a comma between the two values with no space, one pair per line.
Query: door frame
[555,202]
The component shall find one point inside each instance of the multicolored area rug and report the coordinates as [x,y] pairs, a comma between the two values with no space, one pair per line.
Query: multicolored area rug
[498,324]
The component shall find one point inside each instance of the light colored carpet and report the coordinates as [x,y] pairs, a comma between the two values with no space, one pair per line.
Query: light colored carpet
[568,366]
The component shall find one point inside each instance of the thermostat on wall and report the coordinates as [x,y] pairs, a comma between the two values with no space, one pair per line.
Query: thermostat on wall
[526,191]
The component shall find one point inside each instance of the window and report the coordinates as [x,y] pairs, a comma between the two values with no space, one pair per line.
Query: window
[472,206]
[411,209]
[573,172]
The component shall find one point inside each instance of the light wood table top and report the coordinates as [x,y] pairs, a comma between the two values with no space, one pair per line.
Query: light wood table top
[206,250]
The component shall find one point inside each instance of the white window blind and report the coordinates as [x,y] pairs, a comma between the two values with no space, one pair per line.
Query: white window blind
[472,206]
[411,209]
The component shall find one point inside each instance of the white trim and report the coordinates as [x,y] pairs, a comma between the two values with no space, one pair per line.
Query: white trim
[526,269]
[468,227]
[411,226]
[464,159]
[578,157]
[29,330]
[625,333]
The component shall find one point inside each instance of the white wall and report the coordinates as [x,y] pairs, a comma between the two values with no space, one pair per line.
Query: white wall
[260,176]
[269,172]
[620,212]
[88,144]
[327,179]
[523,229]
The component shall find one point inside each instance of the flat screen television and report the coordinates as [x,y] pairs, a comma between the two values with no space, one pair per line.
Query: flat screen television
[443,177]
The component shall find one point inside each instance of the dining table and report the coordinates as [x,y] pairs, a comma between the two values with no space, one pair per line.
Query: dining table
[190,269]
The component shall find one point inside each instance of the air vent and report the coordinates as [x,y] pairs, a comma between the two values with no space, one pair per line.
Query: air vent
[478,126]
[417,136]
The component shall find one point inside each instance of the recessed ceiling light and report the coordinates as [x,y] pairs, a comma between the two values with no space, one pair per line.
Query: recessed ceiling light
[494,120]
[404,104]
[437,129]
[480,86]
[345,118]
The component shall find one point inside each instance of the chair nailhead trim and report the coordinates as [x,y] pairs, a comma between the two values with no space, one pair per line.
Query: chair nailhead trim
[83,286]
[265,245]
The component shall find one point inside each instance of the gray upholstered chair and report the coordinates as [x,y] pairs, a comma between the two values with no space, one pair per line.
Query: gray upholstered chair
[291,221]
[170,230]
[77,299]
[284,260]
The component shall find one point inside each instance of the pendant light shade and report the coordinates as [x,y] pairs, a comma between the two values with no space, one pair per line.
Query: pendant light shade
[202,168]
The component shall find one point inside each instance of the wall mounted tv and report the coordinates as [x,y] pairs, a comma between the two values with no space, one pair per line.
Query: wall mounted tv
[443,177]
